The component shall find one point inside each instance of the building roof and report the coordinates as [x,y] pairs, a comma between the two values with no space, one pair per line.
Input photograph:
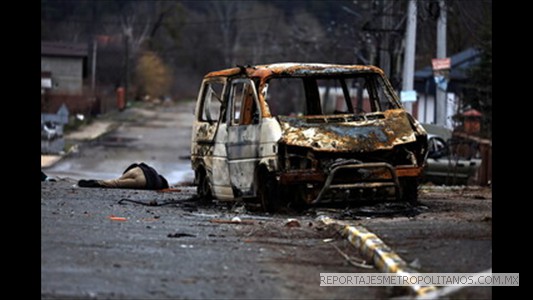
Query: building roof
[472,113]
[460,63]
[63,49]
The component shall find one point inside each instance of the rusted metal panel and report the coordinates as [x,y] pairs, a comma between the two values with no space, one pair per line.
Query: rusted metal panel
[306,69]
[224,73]
[293,69]
[351,136]
[299,176]
[408,171]
[329,184]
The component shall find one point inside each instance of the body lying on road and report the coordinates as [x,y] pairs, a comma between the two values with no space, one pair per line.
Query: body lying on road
[136,176]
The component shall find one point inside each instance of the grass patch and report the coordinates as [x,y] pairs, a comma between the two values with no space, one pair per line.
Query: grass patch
[75,123]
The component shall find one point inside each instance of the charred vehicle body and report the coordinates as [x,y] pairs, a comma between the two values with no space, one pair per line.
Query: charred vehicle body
[304,134]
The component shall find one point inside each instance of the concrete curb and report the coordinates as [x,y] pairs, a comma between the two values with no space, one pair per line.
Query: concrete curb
[88,133]
[48,160]
[375,250]
[91,131]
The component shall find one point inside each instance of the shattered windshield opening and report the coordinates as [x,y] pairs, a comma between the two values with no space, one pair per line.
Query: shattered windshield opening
[328,95]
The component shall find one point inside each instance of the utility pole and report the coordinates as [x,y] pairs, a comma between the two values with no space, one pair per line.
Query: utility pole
[440,117]
[384,47]
[409,58]
[126,64]
[93,66]
[95,47]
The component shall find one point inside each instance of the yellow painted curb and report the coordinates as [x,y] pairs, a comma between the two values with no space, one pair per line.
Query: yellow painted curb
[374,249]
[49,160]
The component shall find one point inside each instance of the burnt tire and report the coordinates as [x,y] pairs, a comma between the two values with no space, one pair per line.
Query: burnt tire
[268,192]
[203,190]
[294,199]
[409,190]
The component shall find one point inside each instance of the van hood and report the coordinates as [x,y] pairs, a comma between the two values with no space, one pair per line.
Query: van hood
[348,133]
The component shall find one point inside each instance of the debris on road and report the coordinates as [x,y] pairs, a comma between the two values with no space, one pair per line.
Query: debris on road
[232,221]
[385,209]
[376,251]
[271,257]
[354,261]
[115,218]
[169,190]
[150,203]
[292,223]
[180,234]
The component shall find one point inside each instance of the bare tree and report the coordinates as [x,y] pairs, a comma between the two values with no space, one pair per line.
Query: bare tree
[306,36]
[194,37]
[263,29]
[226,15]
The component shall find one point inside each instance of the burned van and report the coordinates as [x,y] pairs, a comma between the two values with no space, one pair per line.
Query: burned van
[294,133]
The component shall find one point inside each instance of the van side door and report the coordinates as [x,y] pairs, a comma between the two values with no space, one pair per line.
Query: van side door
[208,147]
[244,135]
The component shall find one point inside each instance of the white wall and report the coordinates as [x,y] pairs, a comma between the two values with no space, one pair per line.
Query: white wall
[426,108]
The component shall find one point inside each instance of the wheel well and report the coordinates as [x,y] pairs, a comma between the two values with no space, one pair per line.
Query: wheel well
[259,171]
[200,169]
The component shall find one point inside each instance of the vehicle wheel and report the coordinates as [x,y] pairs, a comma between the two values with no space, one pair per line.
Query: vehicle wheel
[409,190]
[203,190]
[267,192]
[293,197]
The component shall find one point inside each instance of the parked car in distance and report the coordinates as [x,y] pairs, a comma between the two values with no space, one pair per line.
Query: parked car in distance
[443,167]
[49,130]
[302,134]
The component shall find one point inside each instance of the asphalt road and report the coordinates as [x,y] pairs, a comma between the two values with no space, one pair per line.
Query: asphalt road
[175,251]
[158,135]
[98,244]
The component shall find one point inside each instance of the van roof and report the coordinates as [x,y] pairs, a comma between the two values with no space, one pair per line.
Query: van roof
[294,69]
